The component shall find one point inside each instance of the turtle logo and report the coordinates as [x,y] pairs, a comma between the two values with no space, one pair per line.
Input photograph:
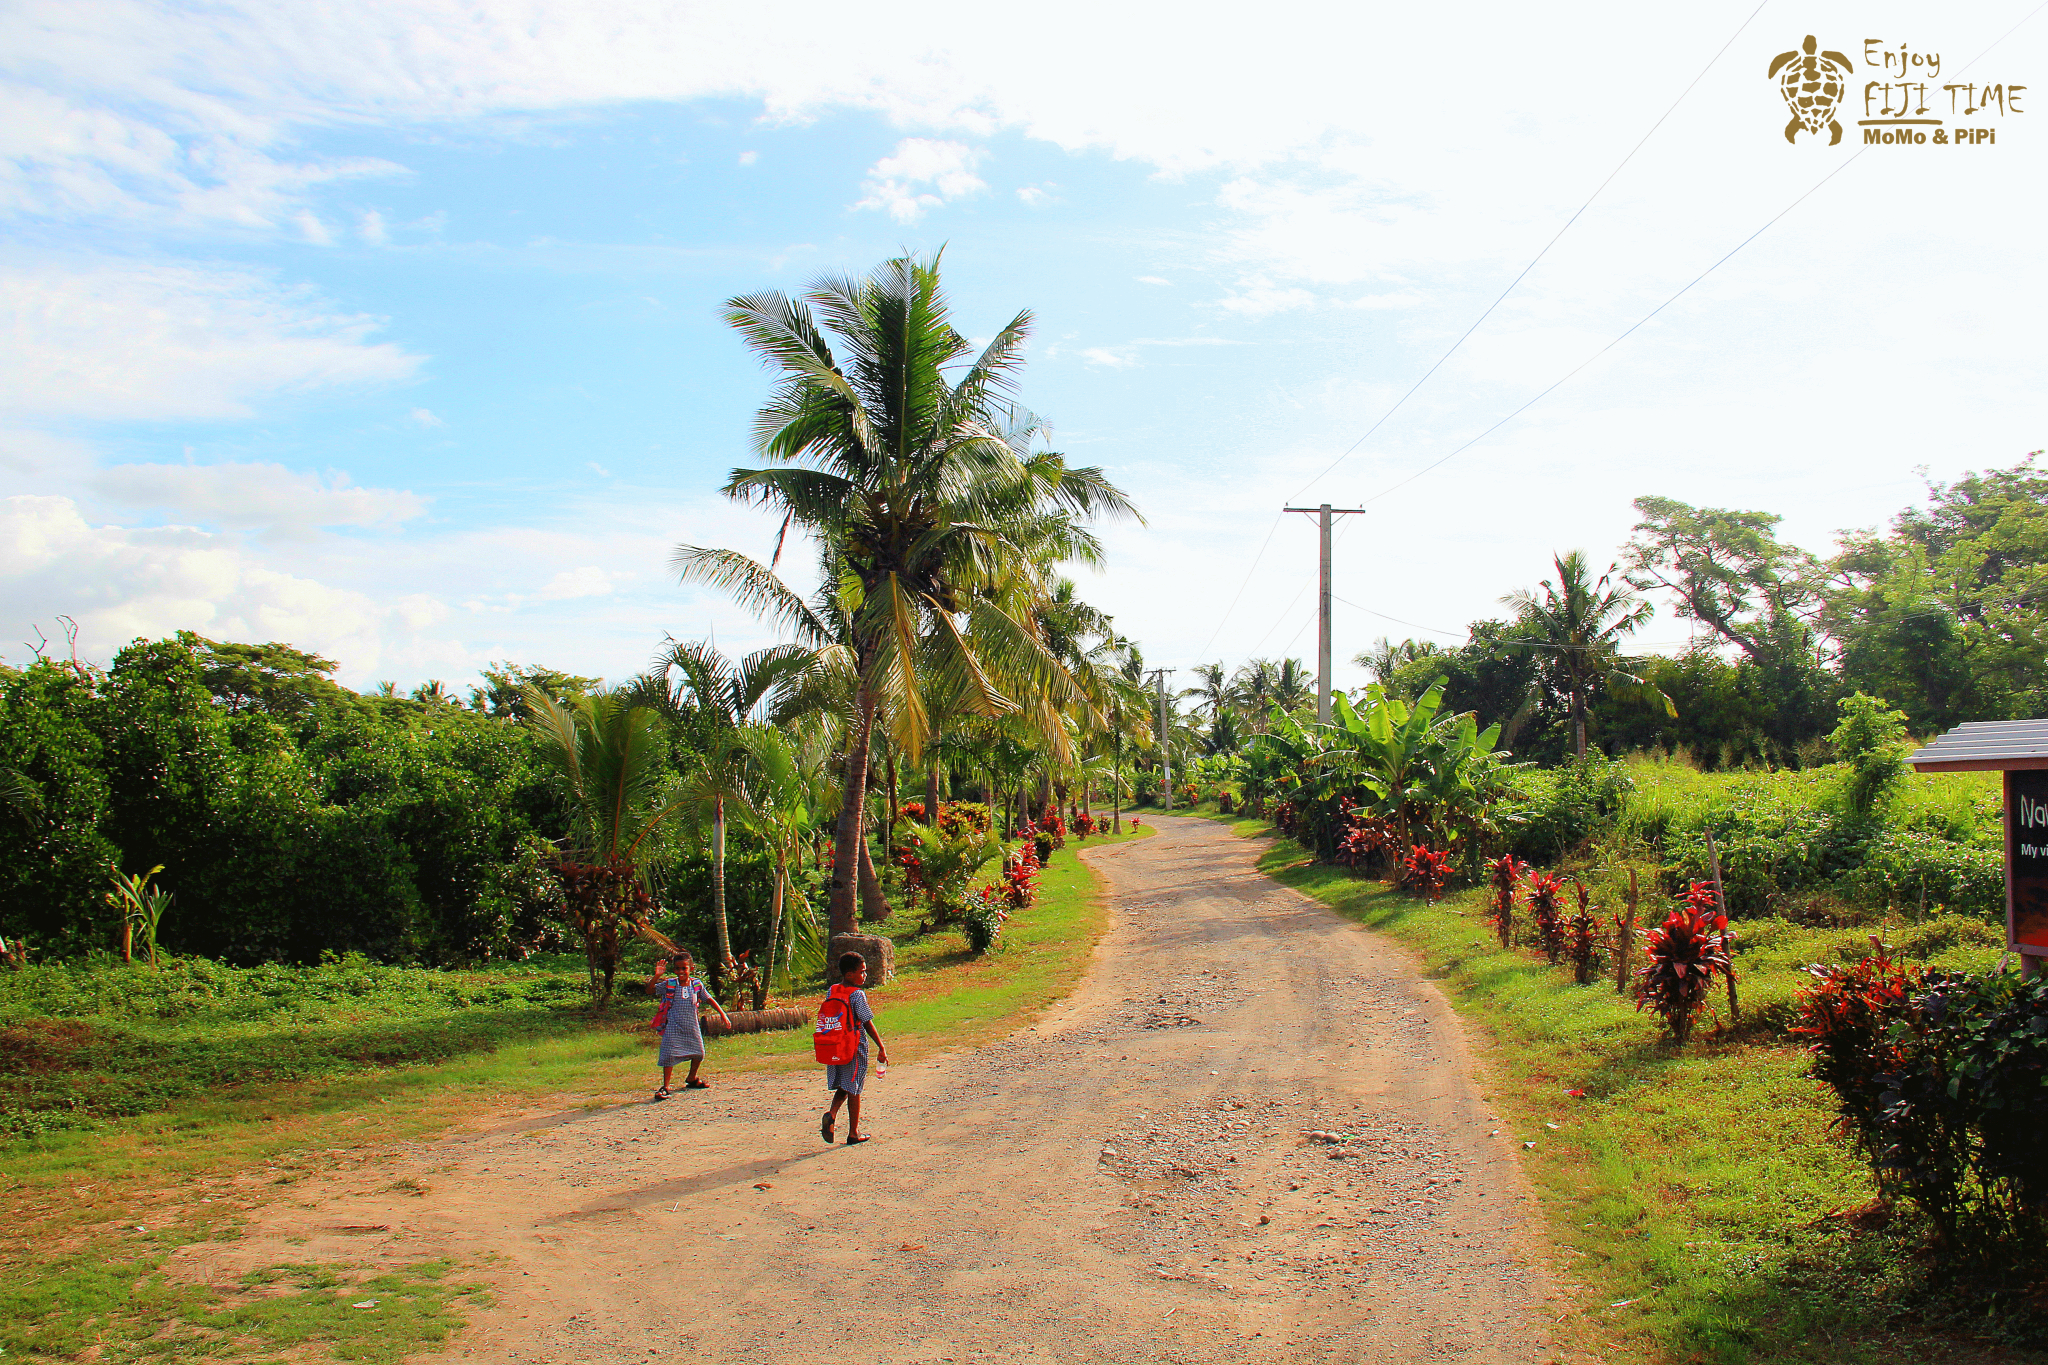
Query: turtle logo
[1812,84]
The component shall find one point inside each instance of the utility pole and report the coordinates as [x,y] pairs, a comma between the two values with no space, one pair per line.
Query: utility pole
[1165,742]
[1323,514]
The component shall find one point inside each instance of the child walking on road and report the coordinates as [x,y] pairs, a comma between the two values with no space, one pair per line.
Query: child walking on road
[845,1079]
[682,1038]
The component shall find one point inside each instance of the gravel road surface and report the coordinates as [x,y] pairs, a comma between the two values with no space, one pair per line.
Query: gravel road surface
[1251,1134]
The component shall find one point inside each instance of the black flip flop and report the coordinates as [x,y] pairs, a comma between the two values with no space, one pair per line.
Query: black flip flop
[865,1137]
[696,1085]
[826,1127]
[660,1095]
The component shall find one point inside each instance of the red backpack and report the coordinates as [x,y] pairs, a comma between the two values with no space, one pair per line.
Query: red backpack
[836,1039]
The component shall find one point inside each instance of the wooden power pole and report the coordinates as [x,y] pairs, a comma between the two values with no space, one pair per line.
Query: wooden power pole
[1323,515]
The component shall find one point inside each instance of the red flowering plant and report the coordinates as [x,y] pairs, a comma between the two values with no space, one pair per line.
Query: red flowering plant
[1504,874]
[984,918]
[1583,946]
[911,810]
[1051,823]
[1850,1013]
[1425,872]
[1020,876]
[1543,910]
[958,817]
[913,874]
[1683,955]
[1085,824]
[1365,840]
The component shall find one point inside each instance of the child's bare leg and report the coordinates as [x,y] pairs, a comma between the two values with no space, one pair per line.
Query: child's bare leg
[839,1098]
[695,1062]
[667,1074]
[852,1116]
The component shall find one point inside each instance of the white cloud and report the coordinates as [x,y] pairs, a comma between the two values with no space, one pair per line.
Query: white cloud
[151,341]
[1153,279]
[266,496]
[1035,196]
[373,230]
[601,602]
[897,184]
[1110,357]
[425,417]
[1257,297]
[749,158]
[121,583]
[587,581]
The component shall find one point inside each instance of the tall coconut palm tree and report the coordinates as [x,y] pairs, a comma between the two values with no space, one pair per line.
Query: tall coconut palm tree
[1294,687]
[1580,621]
[897,455]
[1211,692]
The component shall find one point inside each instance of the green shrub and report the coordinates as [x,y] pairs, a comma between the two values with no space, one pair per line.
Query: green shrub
[1943,1081]
[1900,867]
[1560,808]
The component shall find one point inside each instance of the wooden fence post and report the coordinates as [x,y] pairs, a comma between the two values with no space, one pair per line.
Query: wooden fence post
[1728,934]
[1628,939]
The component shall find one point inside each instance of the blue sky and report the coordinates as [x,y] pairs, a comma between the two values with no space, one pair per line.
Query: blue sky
[393,332]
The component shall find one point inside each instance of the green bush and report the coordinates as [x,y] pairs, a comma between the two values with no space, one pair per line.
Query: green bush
[406,831]
[1900,867]
[1560,808]
[1943,1080]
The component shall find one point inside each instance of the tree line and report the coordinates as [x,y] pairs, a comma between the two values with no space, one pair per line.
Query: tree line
[1944,614]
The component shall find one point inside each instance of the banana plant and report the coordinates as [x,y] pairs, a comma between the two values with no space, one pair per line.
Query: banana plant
[142,907]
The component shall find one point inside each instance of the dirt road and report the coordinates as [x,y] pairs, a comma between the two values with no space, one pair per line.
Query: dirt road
[1250,1135]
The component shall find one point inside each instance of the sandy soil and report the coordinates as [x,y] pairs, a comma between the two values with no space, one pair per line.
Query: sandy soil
[1251,1134]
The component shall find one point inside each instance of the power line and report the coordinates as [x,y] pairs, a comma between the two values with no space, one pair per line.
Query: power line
[1675,297]
[1277,517]
[1598,190]
[1683,291]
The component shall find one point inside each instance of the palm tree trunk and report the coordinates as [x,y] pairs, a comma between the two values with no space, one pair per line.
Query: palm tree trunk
[1116,793]
[931,792]
[774,933]
[889,829]
[1579,721]
[847,836]
[873,904]
[718,891]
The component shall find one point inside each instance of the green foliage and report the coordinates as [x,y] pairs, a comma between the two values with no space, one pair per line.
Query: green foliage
[1943,1081]
[1785,835]
[1698,1191]
[1945,613]
[348,824]
[1871,740]
[1551,811]
[140,905]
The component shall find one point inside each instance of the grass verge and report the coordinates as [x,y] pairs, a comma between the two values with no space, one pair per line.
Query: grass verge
[1702,1209]
[94,1213]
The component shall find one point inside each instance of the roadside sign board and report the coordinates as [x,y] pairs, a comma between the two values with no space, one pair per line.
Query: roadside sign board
[2026,860]
[2017,749]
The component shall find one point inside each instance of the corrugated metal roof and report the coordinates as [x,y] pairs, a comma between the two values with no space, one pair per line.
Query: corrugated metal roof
[1987,742]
